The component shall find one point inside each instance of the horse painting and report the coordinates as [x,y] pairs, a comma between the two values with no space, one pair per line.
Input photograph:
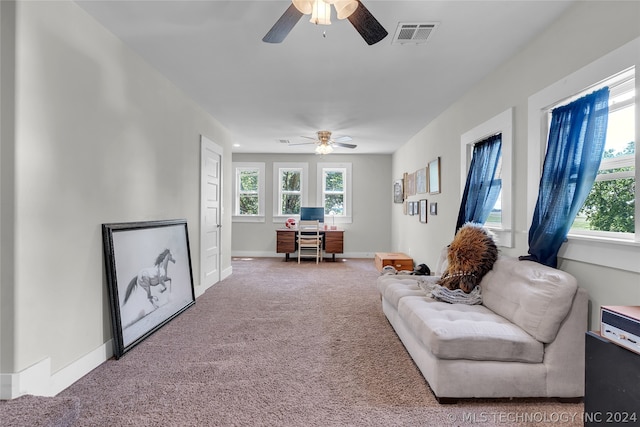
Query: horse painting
[152,276]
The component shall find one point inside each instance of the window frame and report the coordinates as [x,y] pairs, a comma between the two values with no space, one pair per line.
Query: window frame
[623,79]
[279,167]
[237,167]
[502,123]
[347,218]
[615,250]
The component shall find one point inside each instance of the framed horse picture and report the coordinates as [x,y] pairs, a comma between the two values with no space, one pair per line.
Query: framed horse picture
[149,277]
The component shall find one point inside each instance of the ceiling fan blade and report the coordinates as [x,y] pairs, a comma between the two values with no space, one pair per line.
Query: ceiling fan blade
[302,143]
[368,26]
[342,144]
[343,138]
[283,26]
[310,137]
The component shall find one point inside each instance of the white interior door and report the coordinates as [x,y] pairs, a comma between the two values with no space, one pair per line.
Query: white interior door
[210,220]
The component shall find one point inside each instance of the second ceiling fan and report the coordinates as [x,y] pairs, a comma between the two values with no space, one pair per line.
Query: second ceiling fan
[325,143]
[353,10]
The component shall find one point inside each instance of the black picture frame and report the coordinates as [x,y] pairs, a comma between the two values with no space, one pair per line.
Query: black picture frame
[423,211]
[149,277]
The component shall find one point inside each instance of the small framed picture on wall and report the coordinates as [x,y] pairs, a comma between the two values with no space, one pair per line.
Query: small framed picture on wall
[423,210]
[434,176]
[398,191]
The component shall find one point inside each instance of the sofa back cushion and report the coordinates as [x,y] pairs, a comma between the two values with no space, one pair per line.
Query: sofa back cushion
[533,296]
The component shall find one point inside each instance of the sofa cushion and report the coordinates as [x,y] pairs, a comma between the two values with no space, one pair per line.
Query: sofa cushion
[535,297]
[393,287]
[458,331]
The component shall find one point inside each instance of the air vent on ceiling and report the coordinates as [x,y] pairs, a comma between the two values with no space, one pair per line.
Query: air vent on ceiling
[284,141]
[413,32]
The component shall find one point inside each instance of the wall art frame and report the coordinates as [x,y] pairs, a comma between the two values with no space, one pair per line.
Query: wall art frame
[405,185]
[433,208]
[423,210]
[421,180]
[398,191]
[434,176]
[149,277]
[410,184]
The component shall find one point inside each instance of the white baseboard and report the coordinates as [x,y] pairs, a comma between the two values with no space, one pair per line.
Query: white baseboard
[200,290]
[38,380]
[226,273]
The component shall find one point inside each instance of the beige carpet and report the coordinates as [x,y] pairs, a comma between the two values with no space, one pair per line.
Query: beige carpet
[274,344]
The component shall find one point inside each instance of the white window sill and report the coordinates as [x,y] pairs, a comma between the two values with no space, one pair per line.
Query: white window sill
[617,253]
[243,218]
[504,236]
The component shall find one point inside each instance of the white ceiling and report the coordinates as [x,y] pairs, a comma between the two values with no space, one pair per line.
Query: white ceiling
[380,95]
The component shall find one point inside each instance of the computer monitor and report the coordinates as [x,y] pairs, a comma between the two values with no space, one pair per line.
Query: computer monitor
[312,214]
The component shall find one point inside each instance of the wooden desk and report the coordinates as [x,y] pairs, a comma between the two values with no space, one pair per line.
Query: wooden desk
[333,241]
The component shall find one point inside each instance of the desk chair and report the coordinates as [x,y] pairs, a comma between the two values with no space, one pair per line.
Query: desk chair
[309,240]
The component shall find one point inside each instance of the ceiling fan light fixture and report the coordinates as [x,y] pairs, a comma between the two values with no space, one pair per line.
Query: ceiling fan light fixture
[359,16]
[324,149]
[304,6]
[345,8]
[321,14]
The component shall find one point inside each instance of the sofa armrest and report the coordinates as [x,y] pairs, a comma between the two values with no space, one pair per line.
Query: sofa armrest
[565,355]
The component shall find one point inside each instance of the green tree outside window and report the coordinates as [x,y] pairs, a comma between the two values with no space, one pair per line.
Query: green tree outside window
[249,199]
[610,205]
[291,192]
[334,192]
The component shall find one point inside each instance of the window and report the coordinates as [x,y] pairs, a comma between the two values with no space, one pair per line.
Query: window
[290,189]
[500,219]
[612,249]
[248,186]
[483,186]
[610,207]
[334,191]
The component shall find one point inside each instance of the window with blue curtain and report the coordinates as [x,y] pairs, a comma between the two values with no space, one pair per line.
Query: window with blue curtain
[574,150]
[483,183]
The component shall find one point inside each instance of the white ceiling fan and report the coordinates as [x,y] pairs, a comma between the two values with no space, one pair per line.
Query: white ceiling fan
[325,143]
[320,10]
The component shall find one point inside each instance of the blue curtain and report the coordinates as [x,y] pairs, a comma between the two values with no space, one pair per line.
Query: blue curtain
[482,188]
[574,150]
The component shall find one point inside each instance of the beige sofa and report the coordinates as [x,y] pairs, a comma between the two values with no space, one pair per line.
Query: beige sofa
[526,339]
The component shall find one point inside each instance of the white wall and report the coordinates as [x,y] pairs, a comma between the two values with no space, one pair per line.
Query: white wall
[562,49]
[100,137]
[372,188]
